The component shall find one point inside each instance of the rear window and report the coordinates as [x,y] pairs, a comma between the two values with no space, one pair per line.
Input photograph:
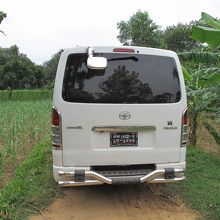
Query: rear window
[127,79]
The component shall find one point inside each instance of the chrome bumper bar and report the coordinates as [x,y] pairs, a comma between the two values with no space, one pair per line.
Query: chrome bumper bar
[94,178]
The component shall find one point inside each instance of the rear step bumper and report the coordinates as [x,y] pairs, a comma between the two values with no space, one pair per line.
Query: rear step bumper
[83,177]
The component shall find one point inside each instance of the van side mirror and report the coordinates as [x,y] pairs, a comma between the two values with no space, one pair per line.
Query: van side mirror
[96,62]
[99,63]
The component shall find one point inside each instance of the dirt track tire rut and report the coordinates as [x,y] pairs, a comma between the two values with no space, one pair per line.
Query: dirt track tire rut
[129,202]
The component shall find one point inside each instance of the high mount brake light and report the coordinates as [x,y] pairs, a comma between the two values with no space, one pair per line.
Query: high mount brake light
[124,50]
[55,129]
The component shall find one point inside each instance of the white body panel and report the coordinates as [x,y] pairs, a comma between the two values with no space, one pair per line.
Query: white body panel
[83,147]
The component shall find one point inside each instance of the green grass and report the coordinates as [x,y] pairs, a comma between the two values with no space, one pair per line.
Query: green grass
[201,189]
[33,186]
[25,95]
[22,125]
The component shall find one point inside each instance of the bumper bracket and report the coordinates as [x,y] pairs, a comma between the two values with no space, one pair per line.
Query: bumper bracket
[79,176]
[169,173]
[82,177]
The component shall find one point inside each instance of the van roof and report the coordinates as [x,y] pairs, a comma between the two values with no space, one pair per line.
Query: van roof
[109,49]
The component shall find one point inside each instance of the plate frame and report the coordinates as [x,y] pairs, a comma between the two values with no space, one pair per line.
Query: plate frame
[126,145]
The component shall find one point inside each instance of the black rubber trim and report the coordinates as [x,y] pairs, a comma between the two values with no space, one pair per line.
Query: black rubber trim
[169,173]
[125,180]
[79,176]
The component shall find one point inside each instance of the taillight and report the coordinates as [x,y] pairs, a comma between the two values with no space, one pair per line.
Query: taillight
[55,117]
[184,128]
[185,117]
[124,50]
[55,129]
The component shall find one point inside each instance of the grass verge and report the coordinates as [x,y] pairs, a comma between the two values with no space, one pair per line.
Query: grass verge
[32,187]
[201,189]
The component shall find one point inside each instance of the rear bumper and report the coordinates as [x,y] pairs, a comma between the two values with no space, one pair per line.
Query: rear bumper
[79,176]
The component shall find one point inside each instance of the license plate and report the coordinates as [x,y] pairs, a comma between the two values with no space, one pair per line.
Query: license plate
[123,139]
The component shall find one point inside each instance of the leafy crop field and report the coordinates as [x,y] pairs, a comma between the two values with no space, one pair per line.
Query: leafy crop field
[23,124]
[25,95]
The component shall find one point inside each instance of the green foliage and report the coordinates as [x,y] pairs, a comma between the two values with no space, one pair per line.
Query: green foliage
[2,16]
[200,57]
[49,69]
[186,74]
[177,37]
[200,190]
[203,89]
[33,186]
[202,76]
[25,95]
[17,71]
[140,30]
[210,34]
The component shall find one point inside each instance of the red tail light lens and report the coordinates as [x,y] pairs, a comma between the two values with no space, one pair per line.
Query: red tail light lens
[185,117]
[55,130]
[55,118]
[184,129]
[124,50]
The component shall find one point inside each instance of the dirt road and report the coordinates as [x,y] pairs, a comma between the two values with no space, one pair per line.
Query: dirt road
[147,202]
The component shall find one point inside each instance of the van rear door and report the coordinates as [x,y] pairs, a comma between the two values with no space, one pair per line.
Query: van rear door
[130,113]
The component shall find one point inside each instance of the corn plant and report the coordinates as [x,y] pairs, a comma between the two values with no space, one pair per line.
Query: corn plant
[22,125]
[25,95]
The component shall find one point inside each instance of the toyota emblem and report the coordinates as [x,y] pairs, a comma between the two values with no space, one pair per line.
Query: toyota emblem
[125,115]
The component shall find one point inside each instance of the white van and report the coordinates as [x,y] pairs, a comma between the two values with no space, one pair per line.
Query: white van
[119,116]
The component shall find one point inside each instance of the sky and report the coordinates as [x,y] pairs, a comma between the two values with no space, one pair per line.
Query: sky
[43,27]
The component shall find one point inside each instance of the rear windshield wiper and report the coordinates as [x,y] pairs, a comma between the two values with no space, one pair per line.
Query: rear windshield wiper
[134,58]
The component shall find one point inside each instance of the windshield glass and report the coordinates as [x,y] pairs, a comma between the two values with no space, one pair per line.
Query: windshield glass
[127,79]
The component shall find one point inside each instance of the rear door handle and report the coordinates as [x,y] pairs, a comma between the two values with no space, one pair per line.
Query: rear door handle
[123,128]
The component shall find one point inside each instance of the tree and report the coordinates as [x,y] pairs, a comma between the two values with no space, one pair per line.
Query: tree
[140,30]
[177,37]
[17,71]
[49,70]
[2,16]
